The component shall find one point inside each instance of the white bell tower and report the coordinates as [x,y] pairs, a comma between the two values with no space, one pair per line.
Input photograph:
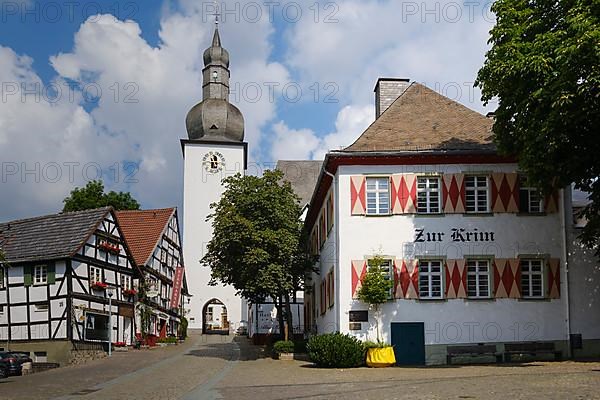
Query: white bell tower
[215,149]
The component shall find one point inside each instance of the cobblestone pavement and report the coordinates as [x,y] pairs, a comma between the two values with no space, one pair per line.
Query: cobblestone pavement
[216,367]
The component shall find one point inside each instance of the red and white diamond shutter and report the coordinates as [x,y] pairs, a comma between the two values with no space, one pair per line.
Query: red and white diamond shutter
[359,269]
[403,193]
[553,269]
[358,198]
[507,278]
[505,192]
[406,279]
[453,193]
[456,279]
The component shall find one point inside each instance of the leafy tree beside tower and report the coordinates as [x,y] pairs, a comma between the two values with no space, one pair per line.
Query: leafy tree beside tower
[258,245]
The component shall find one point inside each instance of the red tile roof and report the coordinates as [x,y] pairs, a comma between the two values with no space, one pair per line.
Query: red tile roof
[142,230]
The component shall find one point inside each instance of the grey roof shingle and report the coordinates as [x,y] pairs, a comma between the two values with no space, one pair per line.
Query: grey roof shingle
[48,237]
[302,175]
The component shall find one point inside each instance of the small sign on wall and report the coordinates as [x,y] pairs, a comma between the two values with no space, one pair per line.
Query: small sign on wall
[355,326]
[359,316]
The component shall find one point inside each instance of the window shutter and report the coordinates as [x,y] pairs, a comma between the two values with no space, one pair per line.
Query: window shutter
[514,265]
[51,273]
[395,206]
[403,197]
[359,269]
[553,273]
[27,278]
[358,199]
[504,192]
[413,292]
[453,193]
[409,193]
[456,279]
[513,205]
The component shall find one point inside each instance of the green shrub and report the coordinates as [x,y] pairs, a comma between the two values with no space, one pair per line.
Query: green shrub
[375,345]
[335,350]
[169,339]
[182,331]
[283,346]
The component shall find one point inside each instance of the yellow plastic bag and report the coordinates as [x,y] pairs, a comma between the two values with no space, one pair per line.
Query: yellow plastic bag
[378,357]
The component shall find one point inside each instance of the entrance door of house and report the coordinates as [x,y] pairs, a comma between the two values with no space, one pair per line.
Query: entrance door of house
[408,339]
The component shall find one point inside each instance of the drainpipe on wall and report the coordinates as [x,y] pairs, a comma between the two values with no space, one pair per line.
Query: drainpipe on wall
[337,251]
[566,199]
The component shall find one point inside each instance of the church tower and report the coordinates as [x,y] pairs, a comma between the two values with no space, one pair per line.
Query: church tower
[215,149]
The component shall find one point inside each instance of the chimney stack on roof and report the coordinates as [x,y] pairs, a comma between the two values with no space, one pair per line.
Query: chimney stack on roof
[387,90]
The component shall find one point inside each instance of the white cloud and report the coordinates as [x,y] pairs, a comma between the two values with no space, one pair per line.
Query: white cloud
[293,144]
[146,92]
[304,144]
[371,39]
[431,42]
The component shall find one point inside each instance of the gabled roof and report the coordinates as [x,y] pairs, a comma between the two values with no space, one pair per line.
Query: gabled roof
[422,119]
[49,237]
[143,230]
[302,175]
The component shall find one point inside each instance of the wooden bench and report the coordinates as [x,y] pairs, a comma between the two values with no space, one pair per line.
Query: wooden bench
[476,350]
[530,348]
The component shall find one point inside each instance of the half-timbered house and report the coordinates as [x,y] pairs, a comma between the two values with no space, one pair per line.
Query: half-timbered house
[55,284]
[155,242]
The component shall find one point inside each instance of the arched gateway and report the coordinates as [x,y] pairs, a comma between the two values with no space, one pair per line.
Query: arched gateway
[215,319]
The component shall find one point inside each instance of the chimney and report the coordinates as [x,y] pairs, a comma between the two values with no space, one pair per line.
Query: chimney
[387,90]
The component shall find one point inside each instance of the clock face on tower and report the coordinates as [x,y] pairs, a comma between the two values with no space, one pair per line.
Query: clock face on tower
[213,162]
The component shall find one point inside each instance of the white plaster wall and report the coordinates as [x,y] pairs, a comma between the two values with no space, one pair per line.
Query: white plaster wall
[328,322]
[584,290]
[37,293]
[200,190]
[451,321]
[62,330]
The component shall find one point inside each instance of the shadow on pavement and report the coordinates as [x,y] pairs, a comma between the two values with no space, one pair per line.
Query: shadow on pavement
[225,350]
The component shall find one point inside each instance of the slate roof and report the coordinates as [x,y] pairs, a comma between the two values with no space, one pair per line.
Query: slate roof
[422,119]
[302,175]
[142,230]
[49,237]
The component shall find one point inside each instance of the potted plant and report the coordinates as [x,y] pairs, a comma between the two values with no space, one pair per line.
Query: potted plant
[99,286]
[130,292]
[110,247]
[375,291]
[284,350]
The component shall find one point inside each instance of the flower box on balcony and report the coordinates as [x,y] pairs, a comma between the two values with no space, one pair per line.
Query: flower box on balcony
[99,286]
[110,247]
[130,292]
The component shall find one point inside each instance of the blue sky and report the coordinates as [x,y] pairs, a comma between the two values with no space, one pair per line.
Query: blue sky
[145,59]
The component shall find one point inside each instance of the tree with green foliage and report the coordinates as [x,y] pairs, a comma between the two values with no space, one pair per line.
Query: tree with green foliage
[258,245]
[544,69]
[93,196]
[375,288]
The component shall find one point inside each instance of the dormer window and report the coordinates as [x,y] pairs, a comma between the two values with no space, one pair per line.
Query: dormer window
[40,274]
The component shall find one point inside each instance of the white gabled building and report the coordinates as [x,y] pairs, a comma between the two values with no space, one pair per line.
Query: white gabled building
[54,284]
[474,255]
